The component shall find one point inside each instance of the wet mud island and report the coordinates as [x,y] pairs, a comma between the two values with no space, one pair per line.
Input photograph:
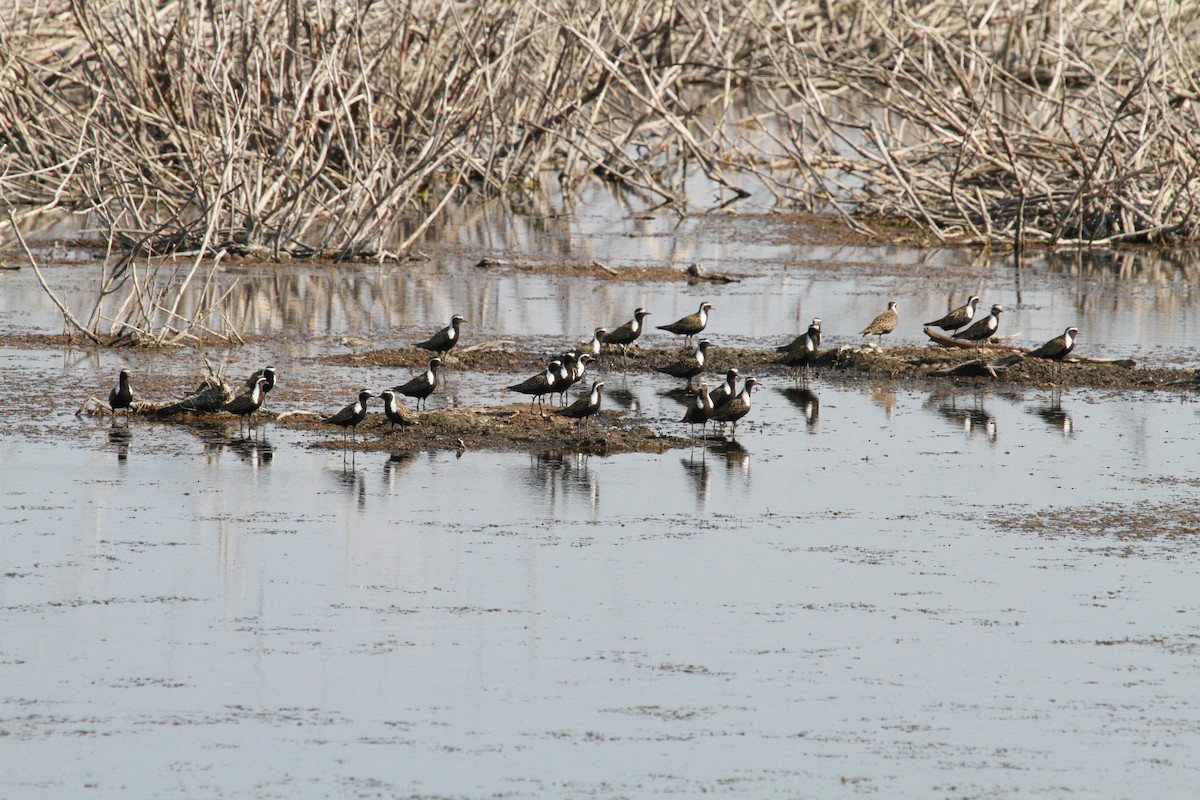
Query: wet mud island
[543,425]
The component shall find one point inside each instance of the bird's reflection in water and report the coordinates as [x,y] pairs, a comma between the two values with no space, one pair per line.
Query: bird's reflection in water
[970,415]
[885,398]
[695,467]
[1054,415]
[560,475]
[352,481]
[120,438]
[217,437]
[680,395]
[626,399]
[737,457]
[395,464]
[255,451]
[807,401]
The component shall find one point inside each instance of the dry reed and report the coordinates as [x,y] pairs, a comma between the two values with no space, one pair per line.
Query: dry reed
[320,127]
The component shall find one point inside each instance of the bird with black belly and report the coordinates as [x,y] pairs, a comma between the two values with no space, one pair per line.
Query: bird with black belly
[444,340]
[423,385]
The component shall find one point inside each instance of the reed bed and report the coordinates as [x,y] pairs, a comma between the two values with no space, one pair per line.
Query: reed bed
[320,128]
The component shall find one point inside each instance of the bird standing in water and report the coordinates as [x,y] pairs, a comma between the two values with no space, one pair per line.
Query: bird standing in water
[699,411]
[736,408]
[803,351]
[121,396]
[246,403]
[349,417]
[726,391]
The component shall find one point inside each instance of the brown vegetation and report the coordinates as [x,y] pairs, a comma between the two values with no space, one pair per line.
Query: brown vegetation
[343,128]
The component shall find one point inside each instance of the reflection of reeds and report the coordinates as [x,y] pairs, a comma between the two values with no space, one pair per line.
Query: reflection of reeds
[320,126]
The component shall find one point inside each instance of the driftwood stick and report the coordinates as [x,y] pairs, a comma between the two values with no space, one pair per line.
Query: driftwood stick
[949,341]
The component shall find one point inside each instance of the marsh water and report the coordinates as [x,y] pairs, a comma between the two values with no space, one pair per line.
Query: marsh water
[879,589]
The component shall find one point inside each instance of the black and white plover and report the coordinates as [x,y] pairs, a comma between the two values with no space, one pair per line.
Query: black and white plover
[688,367]
[626,334]
[349,417]
[1057,348]
[423,385]
[120,398]
[958,318]
[444,340]
[699,411]
[983,329]
[736,408]
[246,403]
[540,385]
[804,350]
[583,408]
[727,390]
[396,412]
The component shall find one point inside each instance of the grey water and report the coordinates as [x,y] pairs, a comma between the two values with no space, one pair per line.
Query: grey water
[878,589]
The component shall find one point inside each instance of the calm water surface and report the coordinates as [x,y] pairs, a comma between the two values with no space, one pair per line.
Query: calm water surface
[854,599]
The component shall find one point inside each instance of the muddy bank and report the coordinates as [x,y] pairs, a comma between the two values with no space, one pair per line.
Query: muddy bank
[302,402]
[508,427]
[844,362]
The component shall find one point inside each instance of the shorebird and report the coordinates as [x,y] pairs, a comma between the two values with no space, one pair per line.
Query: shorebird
[396,412]
[690,325]
[958,318]
[1057,348]
[688,367]
[577,366]
[983,329]
[699,411]
[736,408]
[539,385]
[246,403]
[626,334]
[804,350]
[422,386]
[121,396]
[884,323]
[444,340]
[583,408]
[349,417]
[726,391]
[566,370]
[265,372]
[596,344]
[800,343]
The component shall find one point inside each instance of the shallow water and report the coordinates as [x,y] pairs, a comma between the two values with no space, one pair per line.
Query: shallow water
[856,598]
[1127,304]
